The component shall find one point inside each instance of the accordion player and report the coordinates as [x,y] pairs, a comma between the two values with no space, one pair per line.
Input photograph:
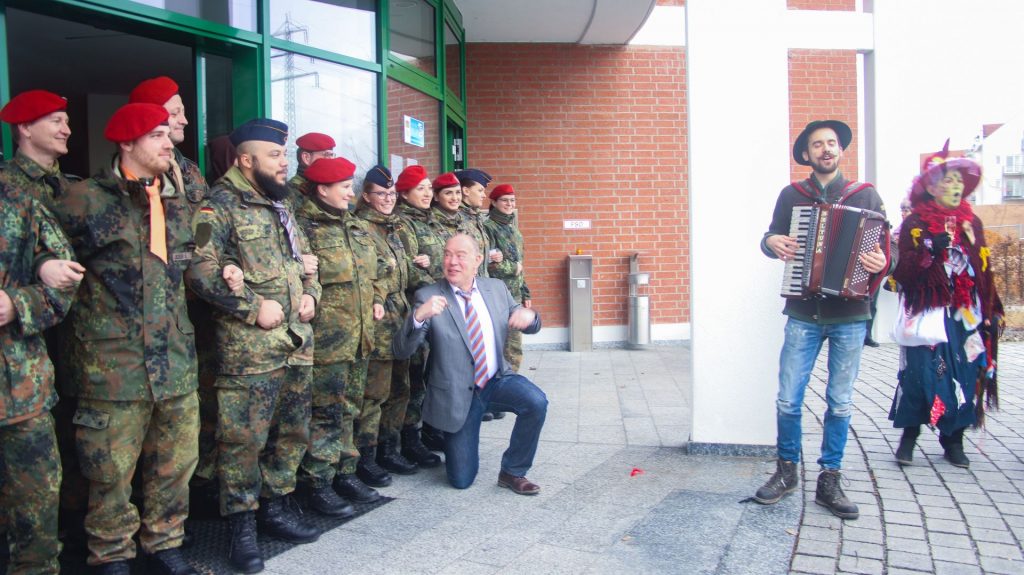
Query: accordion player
[831,238]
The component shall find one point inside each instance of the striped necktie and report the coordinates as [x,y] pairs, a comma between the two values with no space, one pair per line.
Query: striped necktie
[476,340]
[289,227]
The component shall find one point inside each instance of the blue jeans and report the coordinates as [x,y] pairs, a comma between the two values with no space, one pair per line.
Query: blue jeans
[512,393]
[799,352]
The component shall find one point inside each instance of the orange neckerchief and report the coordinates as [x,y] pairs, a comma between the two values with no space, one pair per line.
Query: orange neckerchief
[157,225]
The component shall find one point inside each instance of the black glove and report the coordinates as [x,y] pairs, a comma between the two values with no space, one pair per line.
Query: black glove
[940,243]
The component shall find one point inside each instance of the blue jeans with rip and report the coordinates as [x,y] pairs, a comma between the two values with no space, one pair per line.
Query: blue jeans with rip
[512,393]
[799,352]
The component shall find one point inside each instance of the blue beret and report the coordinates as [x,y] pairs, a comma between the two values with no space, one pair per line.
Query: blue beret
[263,129]
[479,176]
[381,176]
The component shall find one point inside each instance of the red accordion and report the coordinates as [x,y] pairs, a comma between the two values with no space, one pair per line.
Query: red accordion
[831,238]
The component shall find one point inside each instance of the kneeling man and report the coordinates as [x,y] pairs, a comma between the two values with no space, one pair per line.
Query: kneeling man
[466,320]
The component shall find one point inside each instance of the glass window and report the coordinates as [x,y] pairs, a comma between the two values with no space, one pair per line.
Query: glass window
[237,13]
[414,131]
[452,61]
[313,95]
[411,32]
[346,27]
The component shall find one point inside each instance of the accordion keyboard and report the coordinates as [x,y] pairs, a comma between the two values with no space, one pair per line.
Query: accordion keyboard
[795,276]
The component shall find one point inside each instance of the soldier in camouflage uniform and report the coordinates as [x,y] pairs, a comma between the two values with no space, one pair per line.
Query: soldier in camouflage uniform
[39,122]
[503,231]
[311,147]
[343,328]
[446,207]
[474,188]
[421,237]
[387,380]
[30,469]
[185,174]
[264,339]
[133,353]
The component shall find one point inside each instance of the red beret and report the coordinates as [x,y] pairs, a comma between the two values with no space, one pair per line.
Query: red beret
[154,91]
[31,105]
[410,177]
[315,142]
[132,121]
[502,190]
[445,181]
[329,171]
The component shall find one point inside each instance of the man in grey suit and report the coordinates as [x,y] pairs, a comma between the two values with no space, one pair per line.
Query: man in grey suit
[466,321]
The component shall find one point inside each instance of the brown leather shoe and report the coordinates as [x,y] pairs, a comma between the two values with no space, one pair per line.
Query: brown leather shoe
[520,485]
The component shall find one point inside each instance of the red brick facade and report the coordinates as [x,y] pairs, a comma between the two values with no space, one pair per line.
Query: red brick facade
[405,101]
[811,72]
[592,133]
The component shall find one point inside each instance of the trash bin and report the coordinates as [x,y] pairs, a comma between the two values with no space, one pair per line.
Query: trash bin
[581,303]
[639,314]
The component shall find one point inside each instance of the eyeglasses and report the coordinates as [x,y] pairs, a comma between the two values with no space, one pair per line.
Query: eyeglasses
[384,195]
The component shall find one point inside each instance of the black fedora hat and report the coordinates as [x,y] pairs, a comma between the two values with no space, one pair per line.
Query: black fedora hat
[800,145]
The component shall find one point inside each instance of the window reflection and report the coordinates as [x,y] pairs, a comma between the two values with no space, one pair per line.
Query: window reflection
[312,95]
[452,61]
[412,34]
[403,102]
[237,13]
[346,27]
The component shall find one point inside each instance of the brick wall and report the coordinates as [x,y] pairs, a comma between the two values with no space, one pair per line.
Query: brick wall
[823,85]
[406,101]
[593,133]
[839,5]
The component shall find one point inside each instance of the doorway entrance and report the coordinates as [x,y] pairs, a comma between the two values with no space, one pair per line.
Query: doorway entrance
[94,60]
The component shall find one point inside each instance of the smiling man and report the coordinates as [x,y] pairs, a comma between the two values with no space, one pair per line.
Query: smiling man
[465,319]
[41,129]
[133,352]
[813,320]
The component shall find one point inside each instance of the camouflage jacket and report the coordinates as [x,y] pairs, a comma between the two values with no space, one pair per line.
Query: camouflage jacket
[392,277]
[132,339]
[238,225]
[504,235]
[343,326]
[420,234]
[297,197]
[29,236]
[196,188]
[25,175]
[474,224]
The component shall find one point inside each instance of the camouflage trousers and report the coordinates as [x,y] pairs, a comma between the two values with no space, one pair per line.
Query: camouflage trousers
[379,387]
[327,437]
[352,402]
[514,349]
[110,437]
[29,494]
[392,412]
[262,434]
[417,387]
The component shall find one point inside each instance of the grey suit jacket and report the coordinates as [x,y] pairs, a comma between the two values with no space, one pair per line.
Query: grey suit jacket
[450,368]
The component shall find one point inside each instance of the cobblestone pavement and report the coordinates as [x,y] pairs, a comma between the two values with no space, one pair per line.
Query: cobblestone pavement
[929,517]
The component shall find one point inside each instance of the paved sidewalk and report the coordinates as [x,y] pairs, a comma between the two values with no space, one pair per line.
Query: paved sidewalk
[620,494]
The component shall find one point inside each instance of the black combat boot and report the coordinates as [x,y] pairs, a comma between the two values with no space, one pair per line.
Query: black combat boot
[389,458]
[350,487]
[112,568]
[830,494]
[414,450]
[326,501]
[280,517]
[905,452]
[170,562]
[368,471]
[432,438]
[954,449]
[783,481]
[243,553]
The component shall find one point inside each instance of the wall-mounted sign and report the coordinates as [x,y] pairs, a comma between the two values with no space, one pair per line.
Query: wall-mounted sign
[575,224]
[415,131]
